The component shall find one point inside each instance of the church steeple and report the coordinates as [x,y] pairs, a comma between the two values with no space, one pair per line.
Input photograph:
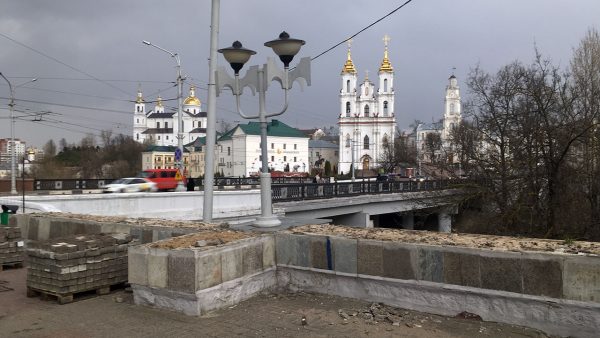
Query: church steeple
[386,65]
[349,65]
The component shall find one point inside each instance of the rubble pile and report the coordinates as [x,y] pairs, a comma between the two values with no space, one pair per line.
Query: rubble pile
[68,265]
[11,246]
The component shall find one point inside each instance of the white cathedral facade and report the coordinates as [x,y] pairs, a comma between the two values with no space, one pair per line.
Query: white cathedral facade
[366,121]
[161,128]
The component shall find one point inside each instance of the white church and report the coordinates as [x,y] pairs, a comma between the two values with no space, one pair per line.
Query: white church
[366,121]
[161,128]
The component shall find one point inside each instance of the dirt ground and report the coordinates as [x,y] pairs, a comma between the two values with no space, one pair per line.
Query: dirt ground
[209,238]
[503,243]
[270,315]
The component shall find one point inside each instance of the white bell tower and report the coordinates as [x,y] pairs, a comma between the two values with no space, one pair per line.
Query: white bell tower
[348,91]
[386,84]
[452,108]
[139,118]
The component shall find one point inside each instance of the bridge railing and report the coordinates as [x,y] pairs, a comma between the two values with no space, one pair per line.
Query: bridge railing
[307,191]
[70,184]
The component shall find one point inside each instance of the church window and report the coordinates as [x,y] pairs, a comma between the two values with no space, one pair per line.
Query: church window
[295,159]
[193,124]
[199,124]
[366,90]
[347,140]
[137,136]
[138,121]
[228,151]
[385,141]
[166,124]
[385,108]
[366,142]
[284,146]
[285,158]
[348,86]
[272,145]
[347,109]
[452,107]
[167,137]
[272,158]
[159,137]
[367,110]
[451,126]
[385,85]
[295,146]
[157,125]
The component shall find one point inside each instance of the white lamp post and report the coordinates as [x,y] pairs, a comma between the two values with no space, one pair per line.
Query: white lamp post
[179,109]
[258,79]
[13,151]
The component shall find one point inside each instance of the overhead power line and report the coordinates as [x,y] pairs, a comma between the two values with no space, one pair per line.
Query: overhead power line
[362,30]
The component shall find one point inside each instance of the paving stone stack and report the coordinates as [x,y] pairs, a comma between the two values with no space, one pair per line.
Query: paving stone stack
[64,266]
[11,246]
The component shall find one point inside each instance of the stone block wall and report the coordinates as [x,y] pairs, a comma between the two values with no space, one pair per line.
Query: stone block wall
[11,246]
[197,280]
[552,275]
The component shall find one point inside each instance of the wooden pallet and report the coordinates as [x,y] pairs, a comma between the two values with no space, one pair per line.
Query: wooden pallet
[65,298]
[11,265]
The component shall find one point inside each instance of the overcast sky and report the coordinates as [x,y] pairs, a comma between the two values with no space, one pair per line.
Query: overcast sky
[94,58]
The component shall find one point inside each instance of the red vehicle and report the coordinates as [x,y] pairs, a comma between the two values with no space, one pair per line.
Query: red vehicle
[165,179]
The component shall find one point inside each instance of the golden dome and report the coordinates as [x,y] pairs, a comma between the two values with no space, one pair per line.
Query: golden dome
[349,65]
[386,66]
[192,99]
[139,99]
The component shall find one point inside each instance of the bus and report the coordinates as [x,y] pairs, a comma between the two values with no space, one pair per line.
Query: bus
[165,179]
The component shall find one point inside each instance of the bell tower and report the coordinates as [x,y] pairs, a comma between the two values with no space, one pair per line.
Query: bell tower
[452,107]
[348,91]
[139,118]
[386,84]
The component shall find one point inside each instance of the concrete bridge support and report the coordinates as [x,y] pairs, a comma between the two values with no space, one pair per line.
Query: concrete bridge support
[408,221]
[445,219]
[358,219]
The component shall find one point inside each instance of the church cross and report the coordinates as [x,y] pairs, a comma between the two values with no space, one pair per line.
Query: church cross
[386,39]
[349,43]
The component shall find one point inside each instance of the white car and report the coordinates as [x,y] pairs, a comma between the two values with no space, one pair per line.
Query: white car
[130,184]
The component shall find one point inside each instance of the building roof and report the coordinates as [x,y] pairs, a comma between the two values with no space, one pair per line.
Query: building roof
[154,115]
[197,143]
[430,126]
[198,130]
[274,128]
[158,131]
[198,114]
[163,149]
[321,144]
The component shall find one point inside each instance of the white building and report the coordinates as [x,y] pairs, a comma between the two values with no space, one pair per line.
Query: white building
[161,128]
[6,149]
[239,154]
[443,128]
[366,121]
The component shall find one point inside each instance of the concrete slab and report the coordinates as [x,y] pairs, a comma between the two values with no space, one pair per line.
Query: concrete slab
[462,269]
[208,269]
[268,252]
[286,248]
[430,265]
[231,264]
[499,273]
[303,250]
[542,277]
[181,271]
[252,258]
[158,260]
[369,257]
[397,261]
[137,265]
[344,254]
[581,278]
[318,252]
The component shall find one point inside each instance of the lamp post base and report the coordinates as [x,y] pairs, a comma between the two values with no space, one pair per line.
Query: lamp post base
[180,187]
[266,222]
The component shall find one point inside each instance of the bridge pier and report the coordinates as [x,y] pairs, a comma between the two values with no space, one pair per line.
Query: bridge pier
[408,221]
[445,219]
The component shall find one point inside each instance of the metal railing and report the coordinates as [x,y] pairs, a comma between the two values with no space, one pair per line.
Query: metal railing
[70,184]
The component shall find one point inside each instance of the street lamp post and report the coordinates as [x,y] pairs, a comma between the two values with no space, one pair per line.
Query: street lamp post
[179,108]
[258,79]
[13,151]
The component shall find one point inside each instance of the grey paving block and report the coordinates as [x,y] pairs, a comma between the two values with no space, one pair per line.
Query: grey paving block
[318,252]
[136,232]
[430,265]
[581,278]
[164,234]
[231,264]
[146,236]
[32,231]
[286,248]
[252,258]
[344,254]
[462,269]
[369,257]
[208,269]
[158,260]
[302,250]
[397,261]
[181,271]
[137,262]
[500,273]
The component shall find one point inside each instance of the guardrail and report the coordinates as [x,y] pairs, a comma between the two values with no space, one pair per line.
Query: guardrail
[299,192]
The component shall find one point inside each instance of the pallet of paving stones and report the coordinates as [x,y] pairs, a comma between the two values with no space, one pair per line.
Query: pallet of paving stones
[11,247]
[64,267]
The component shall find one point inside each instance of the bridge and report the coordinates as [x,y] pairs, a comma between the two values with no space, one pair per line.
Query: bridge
[360,203]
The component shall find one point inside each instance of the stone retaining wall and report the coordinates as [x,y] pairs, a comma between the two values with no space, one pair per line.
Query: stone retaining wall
[197,280]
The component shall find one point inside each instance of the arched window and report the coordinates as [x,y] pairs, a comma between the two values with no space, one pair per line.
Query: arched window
[385,141]
[157,125]
[199,124]
[385,85]
[348,86]
[452,107]
[347,109]
[367,110]
[366,142]
[385,108]
[138,121]
[366,90]
[347,140]
[137,136]
[451,126]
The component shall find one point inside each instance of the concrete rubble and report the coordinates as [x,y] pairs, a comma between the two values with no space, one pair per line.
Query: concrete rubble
[64,266]
[11,246]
